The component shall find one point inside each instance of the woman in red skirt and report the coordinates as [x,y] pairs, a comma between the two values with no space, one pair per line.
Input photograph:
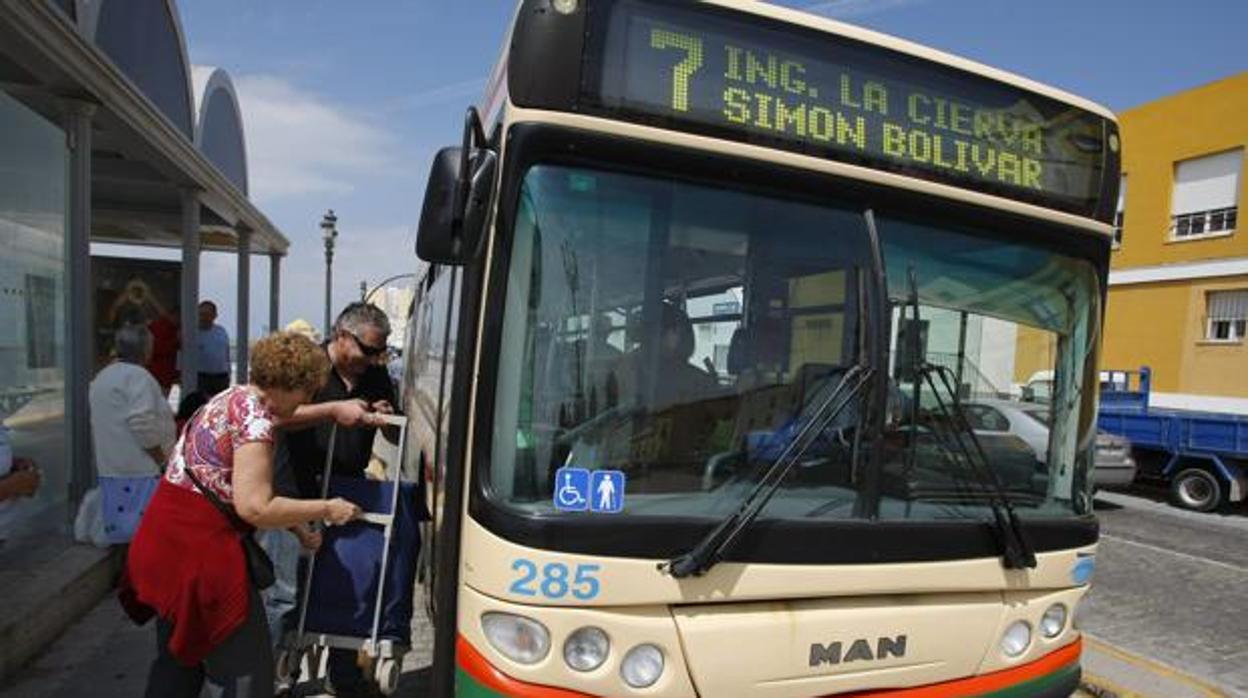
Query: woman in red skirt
[186,564]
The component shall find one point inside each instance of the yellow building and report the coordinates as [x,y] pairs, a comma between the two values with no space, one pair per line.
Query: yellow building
[1178,285]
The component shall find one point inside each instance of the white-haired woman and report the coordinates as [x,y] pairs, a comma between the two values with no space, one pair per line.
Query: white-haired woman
[132,430]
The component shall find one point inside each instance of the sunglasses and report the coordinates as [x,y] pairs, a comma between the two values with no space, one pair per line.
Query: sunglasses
[367,350]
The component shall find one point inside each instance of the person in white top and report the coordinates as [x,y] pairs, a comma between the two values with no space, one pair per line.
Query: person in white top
[132,429]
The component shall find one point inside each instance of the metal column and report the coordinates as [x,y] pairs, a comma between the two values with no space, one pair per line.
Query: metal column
[190,290]
[275,291]
[79,355]
[243,329]
[329,286]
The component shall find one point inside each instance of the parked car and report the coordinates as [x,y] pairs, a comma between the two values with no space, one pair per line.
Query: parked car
[1113,467]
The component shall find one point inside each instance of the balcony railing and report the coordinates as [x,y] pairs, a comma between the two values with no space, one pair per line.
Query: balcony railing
[1186,226]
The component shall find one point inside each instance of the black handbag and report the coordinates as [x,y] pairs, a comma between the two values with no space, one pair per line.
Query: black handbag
[259,564]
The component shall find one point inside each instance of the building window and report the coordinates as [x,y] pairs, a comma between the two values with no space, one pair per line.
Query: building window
[1206,196]
[1118,213]
[1204,222]
[1227,316]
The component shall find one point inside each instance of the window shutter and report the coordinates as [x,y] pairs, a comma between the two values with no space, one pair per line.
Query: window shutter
[1228,305]
[1206,183]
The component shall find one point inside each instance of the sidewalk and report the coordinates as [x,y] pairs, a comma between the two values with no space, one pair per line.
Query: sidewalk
[105,655]
[48,588]
[1109,672]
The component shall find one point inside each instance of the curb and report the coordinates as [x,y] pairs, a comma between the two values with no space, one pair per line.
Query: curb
[1117,673]
[50,598]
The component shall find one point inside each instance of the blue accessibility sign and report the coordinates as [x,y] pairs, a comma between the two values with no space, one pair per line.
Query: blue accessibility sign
[572,489]
[606,489]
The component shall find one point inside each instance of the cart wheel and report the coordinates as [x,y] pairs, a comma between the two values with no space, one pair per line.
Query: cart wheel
[287,665]
[315,657]
[388,671]
[1197,489]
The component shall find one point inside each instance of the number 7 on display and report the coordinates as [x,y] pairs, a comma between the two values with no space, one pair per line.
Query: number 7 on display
[692,46]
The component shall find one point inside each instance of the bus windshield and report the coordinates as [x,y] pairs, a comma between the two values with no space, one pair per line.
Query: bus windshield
[681,333]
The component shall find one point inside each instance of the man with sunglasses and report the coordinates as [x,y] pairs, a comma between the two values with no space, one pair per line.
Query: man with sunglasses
[358,390]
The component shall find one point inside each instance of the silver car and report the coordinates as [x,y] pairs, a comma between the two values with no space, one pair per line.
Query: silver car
[1113,467]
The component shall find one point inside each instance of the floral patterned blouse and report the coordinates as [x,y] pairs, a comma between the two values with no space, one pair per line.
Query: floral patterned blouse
[232,418]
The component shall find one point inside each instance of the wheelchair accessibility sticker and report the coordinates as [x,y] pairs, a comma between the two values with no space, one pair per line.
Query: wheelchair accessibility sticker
[578,489]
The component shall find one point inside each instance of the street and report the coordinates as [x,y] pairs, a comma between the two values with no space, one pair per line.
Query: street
[1169,586]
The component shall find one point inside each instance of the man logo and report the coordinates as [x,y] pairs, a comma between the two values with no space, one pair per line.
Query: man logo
[859,650]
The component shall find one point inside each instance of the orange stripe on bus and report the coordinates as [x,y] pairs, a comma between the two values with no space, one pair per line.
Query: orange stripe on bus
[471,661]
[987,683]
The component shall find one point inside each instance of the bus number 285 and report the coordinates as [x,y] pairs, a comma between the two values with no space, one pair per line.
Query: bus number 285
[556,580]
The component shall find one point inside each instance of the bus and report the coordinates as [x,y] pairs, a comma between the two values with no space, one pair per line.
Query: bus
[716,297]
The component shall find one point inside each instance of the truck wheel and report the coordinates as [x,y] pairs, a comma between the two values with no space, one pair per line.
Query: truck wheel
[1197,489]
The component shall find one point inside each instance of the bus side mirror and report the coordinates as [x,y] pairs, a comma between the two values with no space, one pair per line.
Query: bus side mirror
[457,204]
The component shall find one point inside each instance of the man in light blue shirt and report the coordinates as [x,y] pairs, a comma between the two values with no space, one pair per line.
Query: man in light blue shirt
[214,352]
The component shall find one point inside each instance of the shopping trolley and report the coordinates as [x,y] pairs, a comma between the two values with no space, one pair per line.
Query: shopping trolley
[357,591]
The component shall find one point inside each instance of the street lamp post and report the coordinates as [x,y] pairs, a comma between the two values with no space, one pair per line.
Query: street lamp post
[329,232]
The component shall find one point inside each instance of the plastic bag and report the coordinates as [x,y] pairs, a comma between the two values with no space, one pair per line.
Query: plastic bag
[89,523]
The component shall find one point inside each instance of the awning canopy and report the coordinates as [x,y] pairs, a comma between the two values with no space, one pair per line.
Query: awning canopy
[144,154]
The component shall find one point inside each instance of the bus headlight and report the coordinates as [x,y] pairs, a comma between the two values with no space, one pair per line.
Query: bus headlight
[586,649]
[642,666]
[1054,621]
[564,7]
[522,640]
[1016,639]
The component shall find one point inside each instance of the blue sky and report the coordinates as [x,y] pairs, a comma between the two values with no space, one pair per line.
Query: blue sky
[345,102]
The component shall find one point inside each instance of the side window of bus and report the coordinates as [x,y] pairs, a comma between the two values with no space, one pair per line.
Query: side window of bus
[423,374]
[411,330]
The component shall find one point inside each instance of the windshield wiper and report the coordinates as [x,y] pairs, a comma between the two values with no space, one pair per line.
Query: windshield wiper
[1016,550]
[712,548]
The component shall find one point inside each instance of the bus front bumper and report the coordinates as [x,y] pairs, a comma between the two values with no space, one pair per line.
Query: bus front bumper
[1055,675]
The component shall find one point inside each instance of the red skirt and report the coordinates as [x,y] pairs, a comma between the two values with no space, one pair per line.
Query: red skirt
[186,565]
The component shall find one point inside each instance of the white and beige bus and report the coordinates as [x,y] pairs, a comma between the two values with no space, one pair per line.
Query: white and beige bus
[710,370]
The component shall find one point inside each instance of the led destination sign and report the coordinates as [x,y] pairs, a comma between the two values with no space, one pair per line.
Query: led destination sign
[838,98]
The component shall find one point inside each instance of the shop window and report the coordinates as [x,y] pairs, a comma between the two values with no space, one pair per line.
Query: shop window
[33,177]
[1206,196]
[1227,316]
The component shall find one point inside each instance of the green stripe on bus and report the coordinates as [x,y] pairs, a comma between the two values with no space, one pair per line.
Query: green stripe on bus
[1034,686]
[468,687]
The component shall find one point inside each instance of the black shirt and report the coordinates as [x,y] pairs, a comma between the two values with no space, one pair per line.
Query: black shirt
[305,448]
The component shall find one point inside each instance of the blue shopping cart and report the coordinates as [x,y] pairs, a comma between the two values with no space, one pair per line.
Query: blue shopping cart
[358,590]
